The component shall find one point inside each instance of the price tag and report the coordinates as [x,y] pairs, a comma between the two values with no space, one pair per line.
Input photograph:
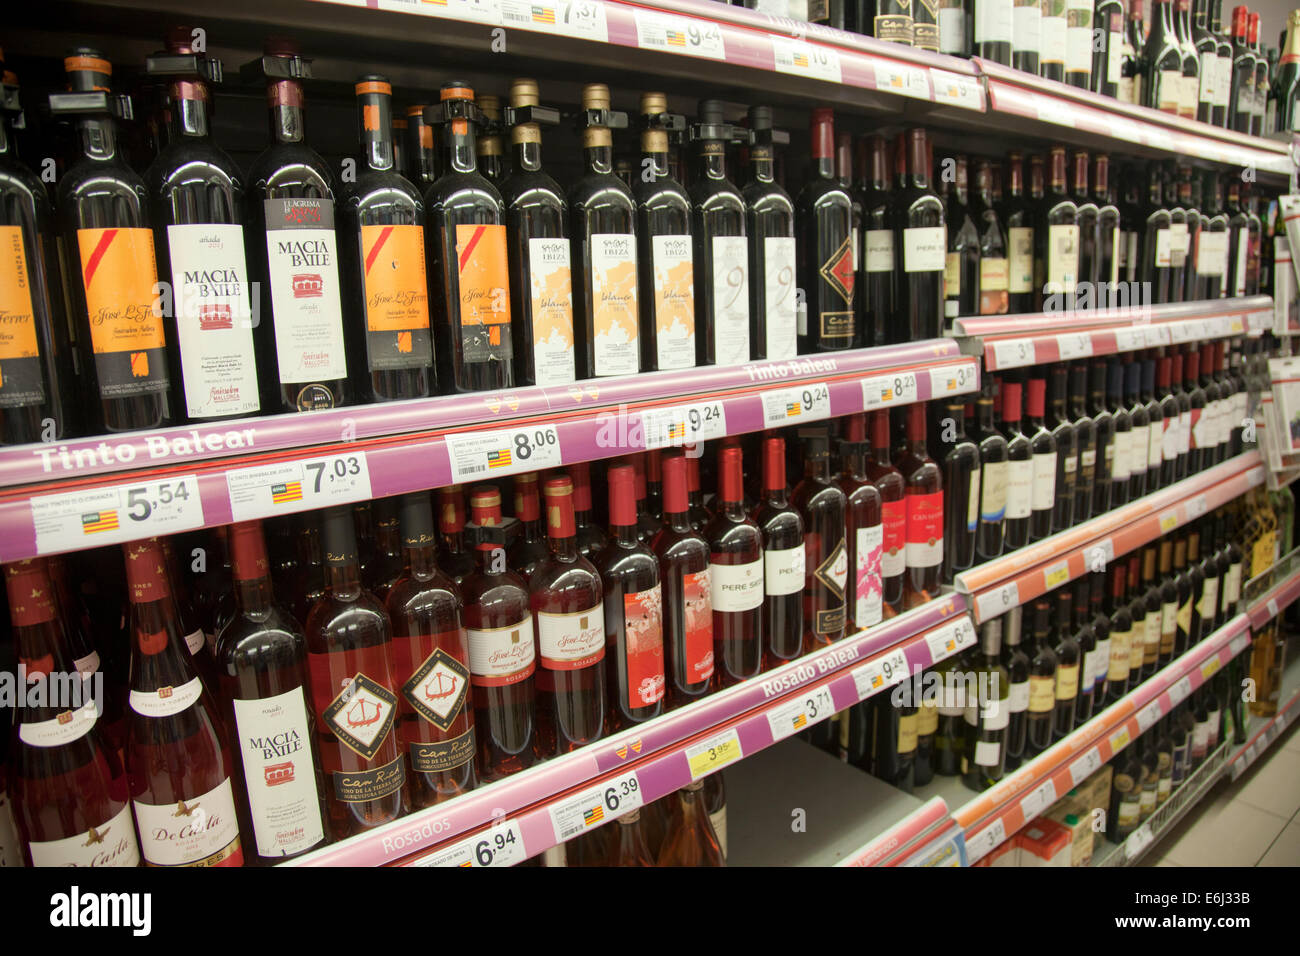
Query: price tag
[1015,353]
[1256,475]
[502,845]
[1221,325]
[951,380]
[1209,668]
[881,391]
[796,404]
[1272,607]
[1085,766]
[73,520]
[880,674]
[986,841]
[798,714]
[1235,325]
[1168,521]
[903,79]
[1130,340]
[1101,554]
[996,602]
[584,19]
[950,639]
[1181,690]
[1137,842]
[507,451]
[668,33]
[806,59]
[1178,332]
[1042,797]
[597,805]
[1157,335]
[269,490]
[1196,507]
[1056,575]
[1119,740]
[1148,715]
[714,753]
[1074,345]
[955,89]
[1239,643]
[1052,110]
[684,424]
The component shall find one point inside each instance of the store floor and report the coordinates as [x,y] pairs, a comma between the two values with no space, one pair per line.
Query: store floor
[1252,822]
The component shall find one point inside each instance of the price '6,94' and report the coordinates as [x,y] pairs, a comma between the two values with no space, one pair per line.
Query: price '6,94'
[486,850]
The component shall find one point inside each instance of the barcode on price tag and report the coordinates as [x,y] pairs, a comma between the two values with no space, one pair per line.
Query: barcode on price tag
[880,674]
[584,19]
[902,79]
[1042,797]
[806,59]
[952,380]
[597,805]
[951,639]
[986,841]
[1148,715]
[1015,353]
[996,602]
[673,34]
[507,451]
[881,391]
[502,845]
[1073,345]
[1084,767]
[714,753]
[88,519]
[683,424]
[798,403]
[1137,842]
[808,709]
[957,90]
[269,490]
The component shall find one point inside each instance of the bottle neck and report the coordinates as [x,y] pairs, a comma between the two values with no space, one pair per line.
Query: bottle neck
[98,137]
[255,595]
[625,535]
[528,156]
[286,115]
[818,467]
[191,115]
[760,163]
[599,159]
[565,547]
[421,560]
[377,135]
[711,163]
[344,580]
[458,147]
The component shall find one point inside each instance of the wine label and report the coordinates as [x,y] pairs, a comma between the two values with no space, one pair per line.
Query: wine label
[1027,25]
[1055,43]
[396,289]
[1127,89]
[924,248]
[1139,444]
[1223,82]
[20,365]
[166,701]
[1044,493]
[838,273]
[120,276]
[1164,786]
[868,592]
[643,627]
[1155,443]
[1184,620]
[440,756]
[1020,488]
[1243,250]
[987,753]
[973,501]
[1137,645]
[1209,602]
[1180,244]
[65,728]
[736,587]
[1122,464]
[907,732]
[952,282]
[780,297]
[1042,694]
[784,570]
[1232,585]
[199,831]
[111,843]
[994,714]
[893,556]
[925,28]
[1170,94]
[1088,673]
[1164,247]
[196,641]
[674,301]
[483,280]
[1168,626]
[499,656]
[995,478]
[613,304]
[1117,668]
[363,786]
[88,665]
[1201,426]
[1185,432]
[1115,47]
[361,715]
[924,530]
[731,300]
[303,271]
[1020,245]
[1062,258]
[698,615]
[893,28]
[952,27]
[1209,70]
[880,250]
[1102,662]
[833,573]
[1212,255]
[438,687]
[927,719]
[1018,697]
[1067,682]
[274,740]
[994,283]
[1087,465]
[993,22]
[570,642]
[1078,36]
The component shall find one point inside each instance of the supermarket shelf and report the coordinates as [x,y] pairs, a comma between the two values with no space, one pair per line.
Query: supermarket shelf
[1267,730]
[990,818]
[230,471]
[1016,341]
[1019,577]
[927,836]
[541,807]
[1269,594]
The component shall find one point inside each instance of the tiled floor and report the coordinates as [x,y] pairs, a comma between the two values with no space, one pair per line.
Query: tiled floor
[1252,822]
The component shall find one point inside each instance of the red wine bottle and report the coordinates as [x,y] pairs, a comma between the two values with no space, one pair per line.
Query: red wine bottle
[453,558]
[529,549]
[634,645]
[386,566]
[177,758]
[920,237]
[567,602]
[1043,499]
[354,689]
[865,534]
[491,157]
[783,560]
[687,592]
[924,501]
[647,525]
[68,788]
[736,578]
[961,479]
[262,660]
[995,475]
[695,494]
[876,297]
[827,247]
[823,507]
[889,482]
[1018,216]
[421,165]
[591,538]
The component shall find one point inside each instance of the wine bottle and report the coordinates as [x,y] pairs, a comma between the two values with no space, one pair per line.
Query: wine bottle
[691,840]
[454,559]
[1057,241]
[925,25]
[1104,423]
[865,534]
[783,560]
[1045,461]
[988,716]
[646,524]
[1039,718]
[822,506]
[1090,656]
[1055,40]
[1089,256]
[104,209]
[591,537]
[1139,431]
[1085,444]
[1131,75]
[770,227]
[994,480]
[1241,104]
[421,166]
[541,276]
[1162,61]
[1079,43]
[1286,85]
[1138,611]
[1111,252]
[566,597]
[1067,448]
[991,296]
[949,746]
[919,232]
[827,245]
[629,846]
[1155,425]
[955,20]
[877,296]
[1207,57]
[961,480]
[488,150]
[1020,471]
[1187,103]
[890,483]
[992,28]
[962,260]
[529,549]
[1107,53]
[1223,78]
[1027,35]
[736,572]
[431,658]
[1261,78]
[177,757]
[1019,219]
[469,255]
[687,590]
[1016,662]
[924,499]
[1069,661]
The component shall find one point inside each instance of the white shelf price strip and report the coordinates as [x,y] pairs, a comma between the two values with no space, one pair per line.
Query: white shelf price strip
[507,451]
[1180,691]
[269,490]
[901,78]
[683,424]
[952,380]
[986,841]
[714,753]
[1085,766]
[993,603]
[502,845]
[1042,797]
[666,32]
[798,714]
[806,59]
[595,806]
[1148,715]
[1014,353]
[956,89]
[882,391]
[1138,841]
[952,638]
[1074,345]
[97,516]
[880,674]
[798,403]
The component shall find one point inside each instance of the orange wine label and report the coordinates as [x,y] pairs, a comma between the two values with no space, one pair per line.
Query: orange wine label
[613,304]
[484,292]
[397,297]
[674,301]
[20,367]
[551,296]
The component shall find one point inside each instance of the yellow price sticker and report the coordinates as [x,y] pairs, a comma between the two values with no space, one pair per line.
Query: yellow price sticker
[714,753]
[1209,668]
[1056,576]
[1168,522]
[1119,740]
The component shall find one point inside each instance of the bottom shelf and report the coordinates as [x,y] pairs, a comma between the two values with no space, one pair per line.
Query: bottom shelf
[1261,732]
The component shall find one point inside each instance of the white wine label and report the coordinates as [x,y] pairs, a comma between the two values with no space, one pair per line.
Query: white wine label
[993,21]
[924,249]
[730,300]
[199,831]
[196,641]
[780,296]
[88,665]
[274,741]
[1223,82]
[1020,492]
[736,587]
[1185,432]
[1155,443]
[613,304]
[1117,666]
[1209,73]
[1020,243]
[501,655]
[1139,447]
[1027,25]
[1018,697]
[1088,673]
[1209,602]
[1044,493]
[214,319]
[166,701]
[1115,51]
[1054,34]
[303,270]
[952,29]
[783,570]
[1078,36]
[1180,244]
[69,726]
[1042,694]
[1164,247]
[868,593]
[109,844]
[550,281]
[994,713]
[1122,465]
[1101,663]
[880,250]
[1212,256]
[1062,258]
[1232,585]
[987,753]
[993,490]
[973,501]
[569,642]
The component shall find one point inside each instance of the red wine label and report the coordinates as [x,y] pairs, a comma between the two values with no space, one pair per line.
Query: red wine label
[20,367]
[198,831]
[397,297]
[924,530]
[570,642]
[302,258]
[867,590]
[780,299]
[674,301]
[111,843]
[31,599]
[838,273]
[442,755]
[166,701]
[784,571]
[363,786]
[1137,643]
[65,728]
[833,573]
[1042,694]
[1200,439]
[484,293]
[613,304]
[438,687]
[550,277]
[1062,258]
[273,737]
[893,555]
[736,587]
[643,625]
[214,319]
[993,490]
[699,626]
[501,655]
[361,715]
